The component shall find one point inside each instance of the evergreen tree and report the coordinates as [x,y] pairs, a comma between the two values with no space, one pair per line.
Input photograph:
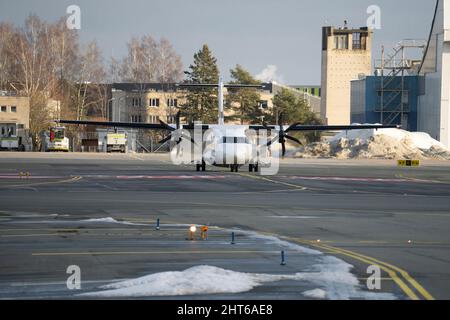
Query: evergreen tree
[294,109]
[244,102]
[201,103]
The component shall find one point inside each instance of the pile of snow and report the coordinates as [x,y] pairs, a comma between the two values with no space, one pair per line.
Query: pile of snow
[195,280]
[377,144]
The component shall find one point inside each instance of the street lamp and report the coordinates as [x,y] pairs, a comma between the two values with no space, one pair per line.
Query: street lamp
[118,99]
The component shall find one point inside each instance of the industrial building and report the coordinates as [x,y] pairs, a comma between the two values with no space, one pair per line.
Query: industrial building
[413,93]
[395,104]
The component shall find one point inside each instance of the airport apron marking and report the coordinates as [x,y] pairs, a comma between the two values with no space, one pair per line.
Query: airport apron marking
[391,270]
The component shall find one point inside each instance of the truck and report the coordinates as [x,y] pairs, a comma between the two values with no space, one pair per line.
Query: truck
[11,143]
[116,142]
[55,140]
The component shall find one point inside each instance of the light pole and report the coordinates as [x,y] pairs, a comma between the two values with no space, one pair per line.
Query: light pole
[118,100]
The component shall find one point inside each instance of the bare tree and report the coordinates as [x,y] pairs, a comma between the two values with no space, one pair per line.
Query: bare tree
[86,91]
[6,34]
[151,61]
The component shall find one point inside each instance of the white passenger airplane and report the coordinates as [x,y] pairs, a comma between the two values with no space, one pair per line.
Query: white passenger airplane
[223,145]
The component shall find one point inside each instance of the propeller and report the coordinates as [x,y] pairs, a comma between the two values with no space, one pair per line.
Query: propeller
[177,133]
[282,135]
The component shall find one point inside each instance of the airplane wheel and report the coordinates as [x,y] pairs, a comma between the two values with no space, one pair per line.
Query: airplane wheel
[256,168]
[198,166]
[203,166]
[250,167]
[236,168]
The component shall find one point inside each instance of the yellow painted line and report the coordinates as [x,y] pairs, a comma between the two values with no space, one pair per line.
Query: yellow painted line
[391,273]
[74,179]
[273,181]
[404,274]
[390,269]
[47,254]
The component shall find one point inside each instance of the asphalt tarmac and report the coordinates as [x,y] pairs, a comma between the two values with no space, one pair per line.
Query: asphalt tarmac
[362,212]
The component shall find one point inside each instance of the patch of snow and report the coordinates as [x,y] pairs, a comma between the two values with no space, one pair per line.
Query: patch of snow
[110,220]
[315,294]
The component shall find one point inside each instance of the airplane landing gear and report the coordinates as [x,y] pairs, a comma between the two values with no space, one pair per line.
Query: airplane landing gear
[201,166]
[234,168]
[253,167]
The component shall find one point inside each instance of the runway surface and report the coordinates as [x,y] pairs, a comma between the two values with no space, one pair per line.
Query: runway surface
[361,212]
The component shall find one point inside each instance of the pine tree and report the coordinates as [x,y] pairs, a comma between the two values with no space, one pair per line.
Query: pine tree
[201,104]
[244,102]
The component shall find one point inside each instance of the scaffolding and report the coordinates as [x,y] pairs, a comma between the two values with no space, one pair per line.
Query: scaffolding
[393,92]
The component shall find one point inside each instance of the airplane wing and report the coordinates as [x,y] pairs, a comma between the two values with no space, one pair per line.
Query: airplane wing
[135,125]
[297,127]
[132,125]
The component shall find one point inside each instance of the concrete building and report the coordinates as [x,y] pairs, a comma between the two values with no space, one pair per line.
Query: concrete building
[346,55]
[147,102]
[15,118]
[434,105]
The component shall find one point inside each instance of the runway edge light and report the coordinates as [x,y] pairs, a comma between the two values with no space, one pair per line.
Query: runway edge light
[192,230]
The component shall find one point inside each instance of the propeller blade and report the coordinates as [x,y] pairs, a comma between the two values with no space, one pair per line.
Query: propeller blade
[272,141]
[165,125]
[165,139]
[294,139]
[283,151]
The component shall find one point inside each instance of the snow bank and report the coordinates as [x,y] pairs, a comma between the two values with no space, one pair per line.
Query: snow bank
[195,280]
[420,140]
[377,144]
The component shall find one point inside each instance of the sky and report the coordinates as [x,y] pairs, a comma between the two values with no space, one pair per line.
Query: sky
[278,39]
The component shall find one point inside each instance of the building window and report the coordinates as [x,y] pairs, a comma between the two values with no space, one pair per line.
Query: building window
[172,102]
[153,102]
[13,109]
[153,119]
[136,119]
[137,102]
[359,41]
[3,109]
[341,42]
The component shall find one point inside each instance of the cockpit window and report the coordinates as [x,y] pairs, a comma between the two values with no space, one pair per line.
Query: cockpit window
[235,140]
